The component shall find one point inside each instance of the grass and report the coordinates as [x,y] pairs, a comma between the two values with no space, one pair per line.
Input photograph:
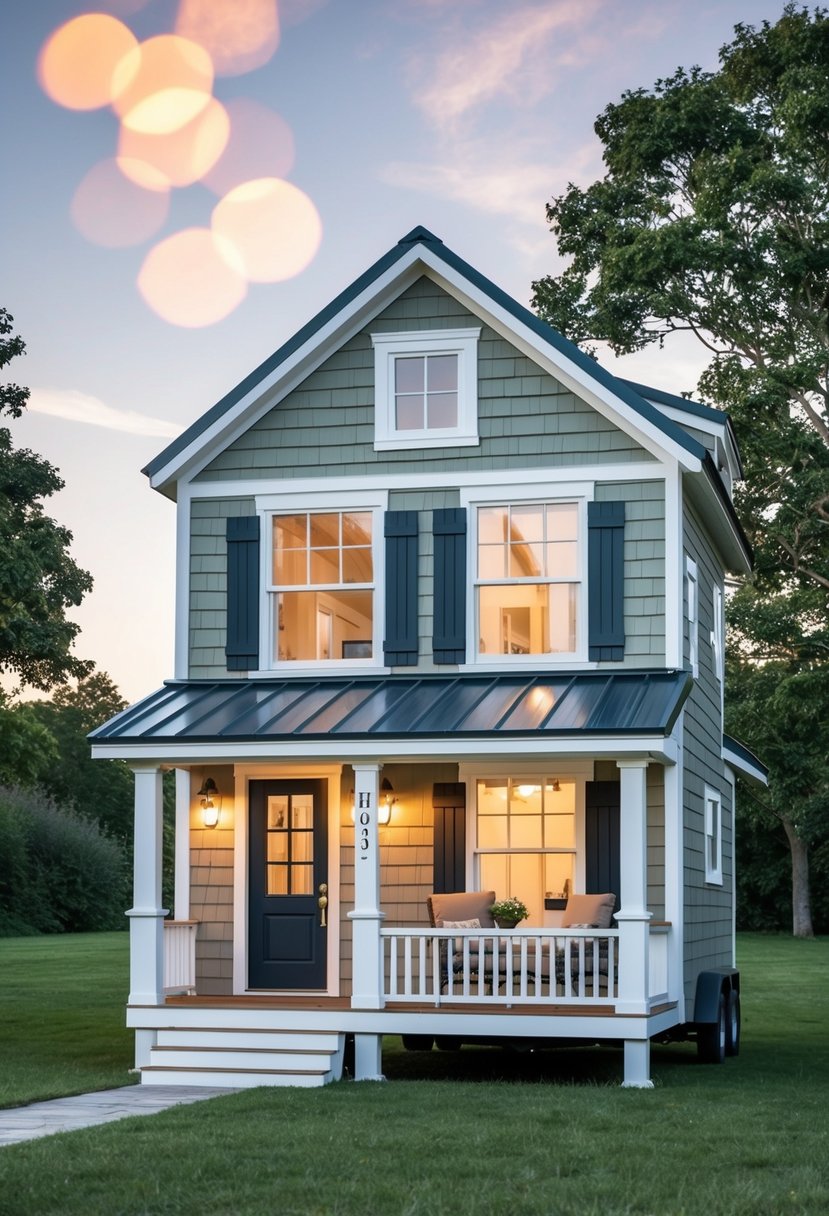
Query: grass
[62,1026]
[480,1133]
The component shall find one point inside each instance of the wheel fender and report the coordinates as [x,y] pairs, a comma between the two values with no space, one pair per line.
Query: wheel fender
[707,997]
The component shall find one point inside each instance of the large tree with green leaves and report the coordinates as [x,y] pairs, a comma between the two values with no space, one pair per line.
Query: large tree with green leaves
[712,218]
[39,580]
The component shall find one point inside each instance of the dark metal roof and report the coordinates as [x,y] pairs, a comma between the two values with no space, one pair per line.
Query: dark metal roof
[395,707]
[744,760]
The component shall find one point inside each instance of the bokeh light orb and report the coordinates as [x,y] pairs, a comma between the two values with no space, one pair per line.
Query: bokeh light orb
[109,210]
[240,35]
[162,84]
[261,144]
[272,224]
[179,158]
[77,64]
[190,279]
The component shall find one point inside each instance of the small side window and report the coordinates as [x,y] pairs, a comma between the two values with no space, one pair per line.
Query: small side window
[718,635]
[713,836]
[692,613]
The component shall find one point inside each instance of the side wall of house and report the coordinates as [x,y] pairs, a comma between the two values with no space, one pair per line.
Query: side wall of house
[708,906]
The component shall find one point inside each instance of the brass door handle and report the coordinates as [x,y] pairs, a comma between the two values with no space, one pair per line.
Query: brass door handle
[322,904]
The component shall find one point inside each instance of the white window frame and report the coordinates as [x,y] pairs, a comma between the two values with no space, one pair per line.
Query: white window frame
[718,634]
[387,348]
[492,496]
[270,505]
[713,836]
[692,612]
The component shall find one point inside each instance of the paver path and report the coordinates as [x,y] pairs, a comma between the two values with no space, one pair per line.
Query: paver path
[86,1110]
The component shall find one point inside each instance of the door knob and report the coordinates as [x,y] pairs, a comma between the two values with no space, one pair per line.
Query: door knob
[322,903]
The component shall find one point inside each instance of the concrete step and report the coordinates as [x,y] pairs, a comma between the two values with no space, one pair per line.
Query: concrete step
[229,1078]
[246,1058]
[269,1040]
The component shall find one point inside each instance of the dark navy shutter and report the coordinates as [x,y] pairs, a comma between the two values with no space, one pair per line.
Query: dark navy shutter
[242,648]
[606,580]
[602,838]
[400,646]
[449,802]
[449,628]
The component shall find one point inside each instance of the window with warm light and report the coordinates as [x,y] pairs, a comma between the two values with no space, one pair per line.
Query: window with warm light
[322,587]
[528,579]
[526,839]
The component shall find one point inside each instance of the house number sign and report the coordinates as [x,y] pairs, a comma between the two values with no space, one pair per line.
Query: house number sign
[363,821]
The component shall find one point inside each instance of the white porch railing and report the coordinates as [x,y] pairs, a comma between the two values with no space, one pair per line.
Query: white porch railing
[180,955]
[496,966]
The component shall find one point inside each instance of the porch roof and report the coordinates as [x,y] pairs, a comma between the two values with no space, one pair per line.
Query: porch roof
[464,705]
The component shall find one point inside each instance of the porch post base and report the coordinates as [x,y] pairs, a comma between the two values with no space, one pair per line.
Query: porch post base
[368,1057]
[146,956]
[637,1064]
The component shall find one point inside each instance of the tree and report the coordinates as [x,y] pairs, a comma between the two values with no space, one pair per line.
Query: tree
[99,790]
[713,218]
[39,581]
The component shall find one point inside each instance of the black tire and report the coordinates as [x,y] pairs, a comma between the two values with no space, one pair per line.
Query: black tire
[732,1023]
[447,1042]
[712,1036]
[417,1042]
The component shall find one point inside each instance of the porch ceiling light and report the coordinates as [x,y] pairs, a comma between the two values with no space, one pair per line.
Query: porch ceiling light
[211,803]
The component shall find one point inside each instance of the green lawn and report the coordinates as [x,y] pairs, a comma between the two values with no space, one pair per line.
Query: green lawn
[62,1002]
[481,1133]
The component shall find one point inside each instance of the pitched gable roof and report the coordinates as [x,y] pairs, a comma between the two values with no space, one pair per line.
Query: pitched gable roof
[419,243]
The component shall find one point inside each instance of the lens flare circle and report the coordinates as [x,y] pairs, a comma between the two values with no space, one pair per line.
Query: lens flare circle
[180,158]
[261,144]
[273,225]
[162,84]
[76,65]
[189,279]
[239,36]
[111,211]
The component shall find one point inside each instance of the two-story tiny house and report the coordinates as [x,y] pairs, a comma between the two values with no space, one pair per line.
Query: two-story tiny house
[449,618]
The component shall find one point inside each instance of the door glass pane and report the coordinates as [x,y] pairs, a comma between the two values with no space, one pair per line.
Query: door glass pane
[277,880]
[277,847]
[277,812]
[302,880]
[302,846]
[302,811]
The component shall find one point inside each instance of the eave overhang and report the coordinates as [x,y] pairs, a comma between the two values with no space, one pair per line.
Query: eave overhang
[738,757]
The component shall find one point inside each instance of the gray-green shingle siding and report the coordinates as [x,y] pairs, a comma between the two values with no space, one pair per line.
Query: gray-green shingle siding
[208,582]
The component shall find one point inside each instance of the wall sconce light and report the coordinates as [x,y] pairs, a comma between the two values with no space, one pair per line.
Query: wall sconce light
[211,803]
[387,801]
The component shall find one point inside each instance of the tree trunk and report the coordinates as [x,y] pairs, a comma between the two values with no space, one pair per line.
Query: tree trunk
[801,897]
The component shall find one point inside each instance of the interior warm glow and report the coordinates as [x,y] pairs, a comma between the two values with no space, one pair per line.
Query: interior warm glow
[110,210]
[162,84]
[76,65]
[274,226]
[189,279]
[179,158]
[261,144]
[240,35]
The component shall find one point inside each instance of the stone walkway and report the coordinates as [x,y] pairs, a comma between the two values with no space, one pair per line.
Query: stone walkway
[87,1110]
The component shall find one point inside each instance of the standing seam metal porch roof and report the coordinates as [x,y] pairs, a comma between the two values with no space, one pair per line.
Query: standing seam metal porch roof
[391,707]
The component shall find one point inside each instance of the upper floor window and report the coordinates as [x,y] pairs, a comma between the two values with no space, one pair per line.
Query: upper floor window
[718,633]
[528,578]
[713,836]
[692,613]
[322,586]
[425,388]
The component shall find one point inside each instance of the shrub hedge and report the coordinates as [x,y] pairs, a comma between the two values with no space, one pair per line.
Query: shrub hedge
[58,872]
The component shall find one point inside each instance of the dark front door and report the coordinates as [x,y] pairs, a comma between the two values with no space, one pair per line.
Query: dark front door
[288,872]
[602,839]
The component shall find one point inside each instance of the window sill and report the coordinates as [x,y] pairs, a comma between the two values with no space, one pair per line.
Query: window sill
[400,443]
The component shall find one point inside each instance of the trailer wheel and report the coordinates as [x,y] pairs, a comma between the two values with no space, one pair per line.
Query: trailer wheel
[732,1023]
[417,1042]
[448,1042]
[712,1037]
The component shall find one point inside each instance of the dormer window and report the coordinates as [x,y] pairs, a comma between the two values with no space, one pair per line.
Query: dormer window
[426,389]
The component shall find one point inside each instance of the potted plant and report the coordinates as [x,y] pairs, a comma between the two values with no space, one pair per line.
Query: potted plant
[508,912]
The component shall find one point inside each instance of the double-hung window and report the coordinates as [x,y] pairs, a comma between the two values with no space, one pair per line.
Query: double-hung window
[713,836]
[322,586]
[528,579]
[425,388]
[692,613]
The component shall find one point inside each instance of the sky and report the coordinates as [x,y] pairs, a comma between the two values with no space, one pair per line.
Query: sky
[465,116]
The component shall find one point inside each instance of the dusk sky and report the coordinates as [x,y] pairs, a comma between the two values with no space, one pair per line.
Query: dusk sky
[465,116]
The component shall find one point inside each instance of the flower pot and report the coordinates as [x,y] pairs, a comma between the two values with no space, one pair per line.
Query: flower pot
[503,923]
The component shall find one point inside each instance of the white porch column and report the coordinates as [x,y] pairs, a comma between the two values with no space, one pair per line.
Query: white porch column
[633,918]
[146,915]
[366,918]
[182,873]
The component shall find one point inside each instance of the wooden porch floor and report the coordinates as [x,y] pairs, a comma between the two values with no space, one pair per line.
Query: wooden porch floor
[328,1003]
